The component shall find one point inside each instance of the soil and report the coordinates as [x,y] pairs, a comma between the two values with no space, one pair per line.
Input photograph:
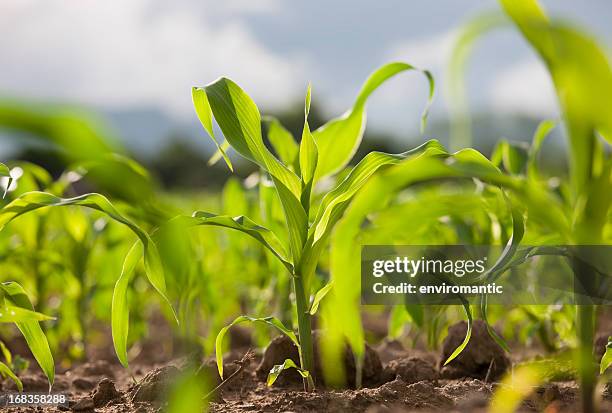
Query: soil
[396,381]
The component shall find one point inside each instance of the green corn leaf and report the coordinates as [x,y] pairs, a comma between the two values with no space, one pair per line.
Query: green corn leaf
[281,140]
[338,139]
[372,162]
[13,314]
[241,223]
[512,155]
[31,330]
[240,121]
[492,333]
[31,201]
[271,321]
[225,147]
[6,371]
[120,311]
[320,295]
[582,76]
[8,357]
[204,112]
[296,217]
[308,156]
[468,34]
[468,334]
[606,360]
[541,133]
[279,368]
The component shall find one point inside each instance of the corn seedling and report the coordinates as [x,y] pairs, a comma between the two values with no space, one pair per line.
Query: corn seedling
[295,173]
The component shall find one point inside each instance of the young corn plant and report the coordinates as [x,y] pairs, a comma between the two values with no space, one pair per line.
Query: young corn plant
[143,248]
[294,174]
[16,307]
[582,76]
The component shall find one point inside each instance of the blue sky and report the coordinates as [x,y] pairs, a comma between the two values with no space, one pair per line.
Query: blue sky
[132,54]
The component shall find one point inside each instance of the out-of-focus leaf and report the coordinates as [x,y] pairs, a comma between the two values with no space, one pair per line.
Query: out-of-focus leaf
[606,360]
[271,321]
[582,77]
[279,368]
[541,133]
[469,33]
[78,136]
[320,295]
[6,371]
[371,163]
[338,139]
[35,200]
[512,155]
[31,330]
[514,388]
[120,310]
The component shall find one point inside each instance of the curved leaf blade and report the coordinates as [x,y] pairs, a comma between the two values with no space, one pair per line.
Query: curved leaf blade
[339,139]
[31,330]
[271,321]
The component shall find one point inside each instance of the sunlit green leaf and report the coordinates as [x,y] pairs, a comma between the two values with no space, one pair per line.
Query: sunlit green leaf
[279,368]
[6,371]
[338,139]
[320,295]
[31,330]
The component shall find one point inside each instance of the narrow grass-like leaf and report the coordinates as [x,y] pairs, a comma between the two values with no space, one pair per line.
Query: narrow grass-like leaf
[338,139]
[241,223]
[120,311]
[31,330]
[6,371]
[320,295]
[271,321]
[281,140]
[279,368]
[468,335]
[239,119]
[371,163]
[31,201]
[606,360]
[14,314]
[204,112]
[541,133]
[308,156]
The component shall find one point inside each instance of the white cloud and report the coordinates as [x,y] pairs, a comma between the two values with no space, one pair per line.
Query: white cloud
[525,88]
[426,52]
[139,52]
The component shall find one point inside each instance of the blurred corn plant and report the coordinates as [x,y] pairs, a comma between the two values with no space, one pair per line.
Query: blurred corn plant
[578,214]
[293,174]
[79,238]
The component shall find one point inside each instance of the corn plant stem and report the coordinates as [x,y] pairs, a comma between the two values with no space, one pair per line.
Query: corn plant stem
[304,331]
[584,281]
[586,366]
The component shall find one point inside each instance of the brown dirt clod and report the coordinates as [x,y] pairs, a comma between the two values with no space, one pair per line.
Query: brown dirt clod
[482,356]
[282,348]
[155,385]
[410,369]
[105,392]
